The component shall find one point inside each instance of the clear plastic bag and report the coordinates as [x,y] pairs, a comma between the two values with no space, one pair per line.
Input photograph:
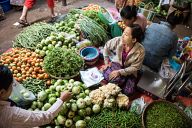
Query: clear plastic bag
[138,105]
[188,111]
[21,96]
[166,71]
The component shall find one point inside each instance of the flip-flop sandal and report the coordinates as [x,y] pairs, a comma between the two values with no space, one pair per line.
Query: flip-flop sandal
[24,23]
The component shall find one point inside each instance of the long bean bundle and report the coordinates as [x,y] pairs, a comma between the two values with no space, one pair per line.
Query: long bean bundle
[32,35]
[92,30]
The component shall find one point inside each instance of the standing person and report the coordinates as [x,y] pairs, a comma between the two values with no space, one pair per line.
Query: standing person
[160,41]
[15,117]
[130,16]
[28,5]
[122,69]
[119,4]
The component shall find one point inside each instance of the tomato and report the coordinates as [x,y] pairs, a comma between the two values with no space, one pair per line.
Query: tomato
[27,74]
[46,76]
[23,66]
[30,70]
[48,82]
[23,72]
[26,68]
[41,76]
[20,79]
[34,76]
[33,63]
[33,73]
[36,64]
[19,64]
[18,68]
[23,76]
[28,54]
[15,71]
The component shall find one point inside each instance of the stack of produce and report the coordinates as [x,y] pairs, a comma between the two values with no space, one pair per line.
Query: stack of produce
[160,11]
[109,96]
[61,39]
[94,15]
[92,30]
[75,112]
[24,64]
[63,63]
[93,7]
[68,24]
[115,119]
[35,85]
[32,35]
[121,25]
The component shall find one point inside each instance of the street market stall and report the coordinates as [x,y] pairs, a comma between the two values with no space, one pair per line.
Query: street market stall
[47,59]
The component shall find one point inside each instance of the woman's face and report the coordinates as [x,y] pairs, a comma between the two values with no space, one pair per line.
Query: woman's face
[127,37]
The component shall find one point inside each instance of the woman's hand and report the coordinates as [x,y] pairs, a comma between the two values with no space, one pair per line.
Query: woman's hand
[65,96]
[114,74]
[105,67]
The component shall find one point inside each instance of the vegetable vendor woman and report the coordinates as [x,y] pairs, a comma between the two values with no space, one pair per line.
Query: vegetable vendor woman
[122,68]
[15,117]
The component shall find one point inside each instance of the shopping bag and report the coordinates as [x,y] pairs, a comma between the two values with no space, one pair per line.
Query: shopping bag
[21,96]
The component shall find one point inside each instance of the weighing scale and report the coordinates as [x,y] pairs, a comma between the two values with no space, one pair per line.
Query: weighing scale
[152,83]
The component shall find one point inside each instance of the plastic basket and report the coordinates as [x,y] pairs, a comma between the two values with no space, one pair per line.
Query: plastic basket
[147,13]
[5,4]
[115,30]
[144,115]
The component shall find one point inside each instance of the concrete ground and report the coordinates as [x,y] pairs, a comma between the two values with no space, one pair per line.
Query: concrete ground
[40,12]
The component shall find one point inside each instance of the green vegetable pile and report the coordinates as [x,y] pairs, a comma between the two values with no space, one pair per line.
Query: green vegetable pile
[62,62]
[163,115]
[94,15]
[32,35]
[34,85]
[116,118]
[75,112]
[68,24]
[92,30]
[56,40]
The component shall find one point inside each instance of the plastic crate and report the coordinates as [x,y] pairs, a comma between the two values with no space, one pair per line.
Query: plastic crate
[5,4]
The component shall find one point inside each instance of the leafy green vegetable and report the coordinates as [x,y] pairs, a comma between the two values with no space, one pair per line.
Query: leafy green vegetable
[94,15]
[62,62]
[32,35]
[116,118]
[92,30]
[163,115]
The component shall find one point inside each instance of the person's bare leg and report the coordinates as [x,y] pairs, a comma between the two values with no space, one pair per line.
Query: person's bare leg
[64,2]
[52,12]
[24,14]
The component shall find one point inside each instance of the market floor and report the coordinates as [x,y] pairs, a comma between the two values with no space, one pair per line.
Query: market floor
[40,12]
